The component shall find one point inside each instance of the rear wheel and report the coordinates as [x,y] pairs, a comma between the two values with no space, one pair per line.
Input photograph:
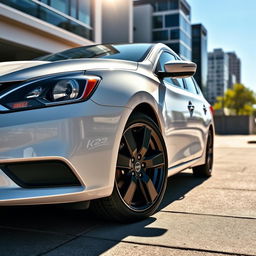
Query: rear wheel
[141,173]
[205,170]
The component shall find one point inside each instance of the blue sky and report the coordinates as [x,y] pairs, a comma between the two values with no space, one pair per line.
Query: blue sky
[231,25]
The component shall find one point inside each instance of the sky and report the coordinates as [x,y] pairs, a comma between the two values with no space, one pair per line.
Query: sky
[231,25]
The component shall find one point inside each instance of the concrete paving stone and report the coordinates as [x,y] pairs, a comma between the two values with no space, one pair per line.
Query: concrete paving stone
[47,218]
[189,231]
[234,141]
[89,246]
[239,181]
[205,200]
[24,243]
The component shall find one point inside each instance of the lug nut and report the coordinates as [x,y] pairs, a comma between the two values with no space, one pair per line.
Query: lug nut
[140,175]
[133,173]
[139,157]
[133,160]
[143,165]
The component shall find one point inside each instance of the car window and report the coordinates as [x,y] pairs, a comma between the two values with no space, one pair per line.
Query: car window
[130,52]
[165,57]
[190,86]
[197,87]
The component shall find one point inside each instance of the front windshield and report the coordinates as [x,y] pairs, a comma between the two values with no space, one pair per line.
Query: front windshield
[130,52]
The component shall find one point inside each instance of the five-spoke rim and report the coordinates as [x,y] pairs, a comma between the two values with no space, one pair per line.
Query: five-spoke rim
[140,171]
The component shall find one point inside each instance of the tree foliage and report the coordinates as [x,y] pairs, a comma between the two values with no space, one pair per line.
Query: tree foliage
[239,100]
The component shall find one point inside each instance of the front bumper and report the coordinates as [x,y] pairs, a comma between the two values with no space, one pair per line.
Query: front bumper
[84,136]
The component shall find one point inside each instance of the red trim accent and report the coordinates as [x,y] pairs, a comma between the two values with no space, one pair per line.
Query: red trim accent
[212,110]
[91,83]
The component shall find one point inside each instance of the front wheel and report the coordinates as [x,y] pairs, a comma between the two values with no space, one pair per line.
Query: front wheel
[205,170]
[141,173]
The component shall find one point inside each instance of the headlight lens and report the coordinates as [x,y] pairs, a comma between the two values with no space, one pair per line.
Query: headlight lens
[50,91]
[65,90]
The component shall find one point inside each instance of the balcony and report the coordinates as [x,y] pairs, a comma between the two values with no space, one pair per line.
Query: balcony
[51,15]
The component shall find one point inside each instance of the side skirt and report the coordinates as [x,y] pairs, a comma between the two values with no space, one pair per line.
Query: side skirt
[181,167]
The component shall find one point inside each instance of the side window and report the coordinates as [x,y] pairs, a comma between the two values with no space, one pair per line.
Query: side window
[190,86]
[197,87]
[165,57]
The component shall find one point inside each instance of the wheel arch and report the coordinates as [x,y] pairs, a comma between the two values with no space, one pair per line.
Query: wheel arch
[149,111]
[211,129]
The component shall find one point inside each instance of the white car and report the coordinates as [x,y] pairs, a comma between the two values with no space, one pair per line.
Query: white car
[106,124]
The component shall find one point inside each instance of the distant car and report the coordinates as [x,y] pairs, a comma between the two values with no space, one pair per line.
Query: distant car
[103,123]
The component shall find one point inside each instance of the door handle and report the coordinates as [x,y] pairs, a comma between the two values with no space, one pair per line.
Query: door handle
[205,109]
[191,107]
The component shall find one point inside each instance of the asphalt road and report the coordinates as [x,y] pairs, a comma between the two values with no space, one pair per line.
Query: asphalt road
[215,216]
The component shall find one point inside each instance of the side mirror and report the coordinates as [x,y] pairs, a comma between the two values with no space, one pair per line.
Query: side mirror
[178,69]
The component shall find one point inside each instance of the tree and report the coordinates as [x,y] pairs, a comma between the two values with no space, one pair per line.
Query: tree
[239,100]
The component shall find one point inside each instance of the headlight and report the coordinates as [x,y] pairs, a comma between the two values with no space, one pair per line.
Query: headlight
[49,91]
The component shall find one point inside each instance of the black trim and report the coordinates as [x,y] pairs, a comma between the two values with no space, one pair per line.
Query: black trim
[162,74]
[41,174]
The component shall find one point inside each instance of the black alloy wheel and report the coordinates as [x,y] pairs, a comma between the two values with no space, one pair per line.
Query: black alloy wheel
[205,170]
[141,172]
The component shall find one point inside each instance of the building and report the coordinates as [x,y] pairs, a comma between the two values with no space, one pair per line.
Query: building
[200,55]
[36,27]
[218,74]
[142,20]
[171,24]
[234,65]
[117,21]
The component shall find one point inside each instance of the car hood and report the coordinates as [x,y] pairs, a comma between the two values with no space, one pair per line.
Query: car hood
[23,70]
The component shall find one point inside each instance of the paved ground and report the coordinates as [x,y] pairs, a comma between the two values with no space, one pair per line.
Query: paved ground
[197,217]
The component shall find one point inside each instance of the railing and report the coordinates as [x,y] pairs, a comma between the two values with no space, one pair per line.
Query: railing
[51,15]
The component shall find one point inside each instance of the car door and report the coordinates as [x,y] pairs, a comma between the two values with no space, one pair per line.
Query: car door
[198,113]
[182,139]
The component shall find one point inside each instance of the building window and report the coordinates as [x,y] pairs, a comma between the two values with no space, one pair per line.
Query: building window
[84,11]
[60,5]
[185,38]
[164,5]
[172,20]
[185,25]
[175,47]
[184,51]
[174,4]
[158,21]
[161,35]
[78,9]
[73,8]
[175,34]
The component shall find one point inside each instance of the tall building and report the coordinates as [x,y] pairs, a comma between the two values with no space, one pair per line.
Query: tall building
[218,74]
[171,24]
[30,28]
[234,65]
[200,54]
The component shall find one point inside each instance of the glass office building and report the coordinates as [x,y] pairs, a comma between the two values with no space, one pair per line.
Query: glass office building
[200,55]
[218,74]
[72,15]
[172,25]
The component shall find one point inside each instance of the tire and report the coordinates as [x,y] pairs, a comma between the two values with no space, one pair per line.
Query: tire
[141,173]
[205,170]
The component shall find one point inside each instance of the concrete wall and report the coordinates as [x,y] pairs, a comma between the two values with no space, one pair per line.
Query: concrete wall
[235,124]
[143,23]
[117,21]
